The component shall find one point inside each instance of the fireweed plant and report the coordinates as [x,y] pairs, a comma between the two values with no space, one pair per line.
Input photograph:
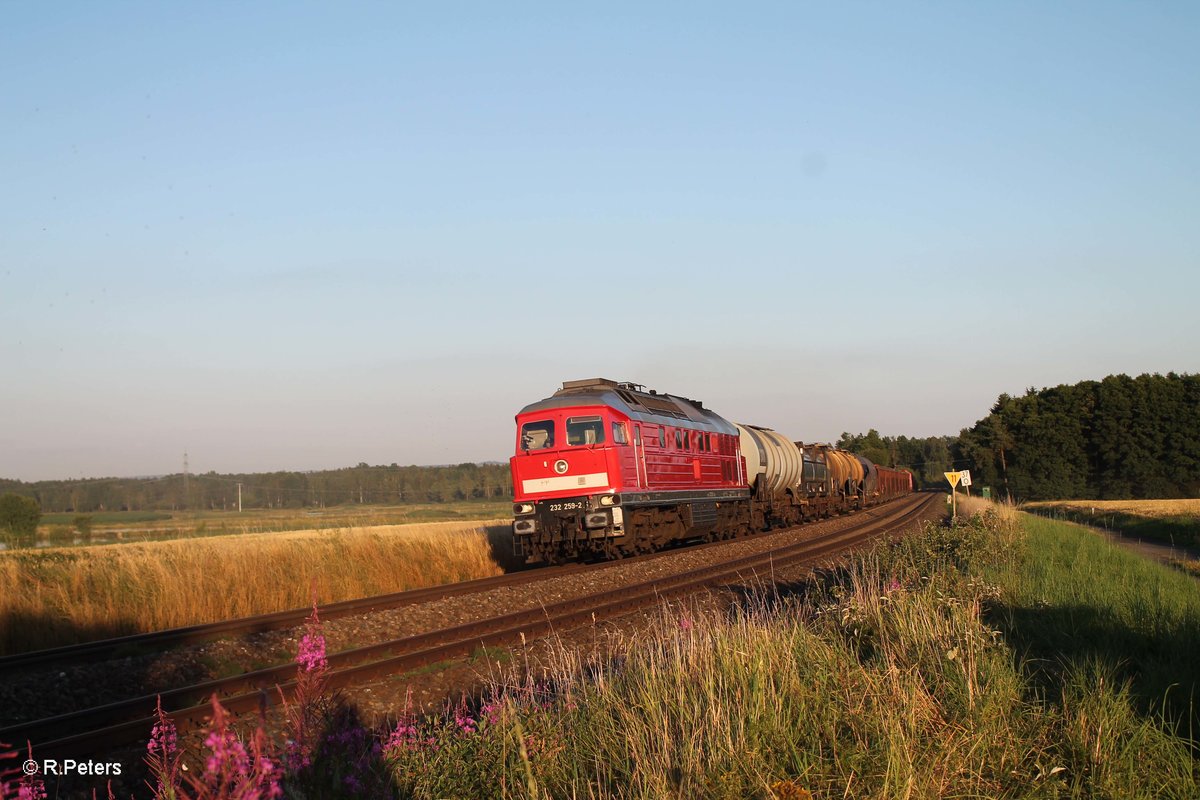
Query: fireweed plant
[326,751]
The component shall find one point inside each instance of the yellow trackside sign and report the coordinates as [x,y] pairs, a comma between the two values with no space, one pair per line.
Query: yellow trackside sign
[953,478]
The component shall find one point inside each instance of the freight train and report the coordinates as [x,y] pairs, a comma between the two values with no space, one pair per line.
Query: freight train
[606,470]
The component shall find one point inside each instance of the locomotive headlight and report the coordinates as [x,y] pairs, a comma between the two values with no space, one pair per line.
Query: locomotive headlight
[610,500]
[522,508]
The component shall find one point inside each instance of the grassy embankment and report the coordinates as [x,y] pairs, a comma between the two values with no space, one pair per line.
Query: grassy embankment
[56,596]
[105,527]
[1009,657]
[1173,522]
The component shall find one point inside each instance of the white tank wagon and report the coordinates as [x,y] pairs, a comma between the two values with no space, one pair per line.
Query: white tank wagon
[793,481]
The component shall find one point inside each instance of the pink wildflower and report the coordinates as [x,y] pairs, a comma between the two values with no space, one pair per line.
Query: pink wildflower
[685,624]
[231,771]
[29,787]
[164,740]
[312,653]
[403,736]
[304,713]
[162,754]
[407,735]
[312,646]
[228,757]
[490,712]
[893,585]
[463,718]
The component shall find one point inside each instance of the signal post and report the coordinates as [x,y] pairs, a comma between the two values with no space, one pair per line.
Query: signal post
[955,478]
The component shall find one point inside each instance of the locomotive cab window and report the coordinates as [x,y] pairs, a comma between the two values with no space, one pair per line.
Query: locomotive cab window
[619,436]
[537,435]
[584,431]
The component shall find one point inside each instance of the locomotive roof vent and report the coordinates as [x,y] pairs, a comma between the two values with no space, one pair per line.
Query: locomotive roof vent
[587,384]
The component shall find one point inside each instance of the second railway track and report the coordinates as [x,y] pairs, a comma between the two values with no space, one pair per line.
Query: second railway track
[126,721]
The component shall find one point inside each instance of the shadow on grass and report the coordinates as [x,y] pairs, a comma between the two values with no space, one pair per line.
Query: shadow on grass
[21,632]
[348,761]
[1161,667]
[500,540]
[1182,531]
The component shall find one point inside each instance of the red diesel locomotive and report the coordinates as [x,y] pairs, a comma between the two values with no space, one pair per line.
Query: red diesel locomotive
[607,469]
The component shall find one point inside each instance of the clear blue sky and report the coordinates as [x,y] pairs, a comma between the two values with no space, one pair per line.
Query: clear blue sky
[304,235]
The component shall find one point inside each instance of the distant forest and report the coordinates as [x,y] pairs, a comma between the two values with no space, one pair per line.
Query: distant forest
[926,458]
[1116,439]
[1119,438]
[212,491]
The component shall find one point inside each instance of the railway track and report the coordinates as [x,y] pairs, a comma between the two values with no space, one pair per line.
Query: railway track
[143,643]
[102,727]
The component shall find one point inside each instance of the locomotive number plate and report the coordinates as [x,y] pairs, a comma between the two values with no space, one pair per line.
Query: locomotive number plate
[571,506]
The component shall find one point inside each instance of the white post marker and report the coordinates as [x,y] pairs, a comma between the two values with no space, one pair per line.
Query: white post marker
[964,480]
[953,477]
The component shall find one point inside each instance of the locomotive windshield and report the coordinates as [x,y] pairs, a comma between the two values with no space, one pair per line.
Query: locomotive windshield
[584,431]
[537,435]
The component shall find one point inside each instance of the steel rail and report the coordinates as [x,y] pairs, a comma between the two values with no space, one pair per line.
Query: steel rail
[151,641]
[133,718]
[103,649]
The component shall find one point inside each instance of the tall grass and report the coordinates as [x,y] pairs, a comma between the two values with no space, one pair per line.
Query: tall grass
[57,596]
[1078,602]
[901,675]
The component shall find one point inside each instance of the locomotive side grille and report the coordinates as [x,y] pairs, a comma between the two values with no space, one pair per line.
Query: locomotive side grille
[701,516]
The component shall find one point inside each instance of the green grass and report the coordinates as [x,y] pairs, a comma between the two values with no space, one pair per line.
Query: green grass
[1174,529]
[1078,602]
[995,659]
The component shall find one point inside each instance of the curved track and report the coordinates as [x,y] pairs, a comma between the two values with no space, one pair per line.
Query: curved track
[104,649]
[130,720]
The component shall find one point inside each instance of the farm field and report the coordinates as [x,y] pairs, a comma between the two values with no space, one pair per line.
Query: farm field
[59,595]
[111,527]
[1174,522]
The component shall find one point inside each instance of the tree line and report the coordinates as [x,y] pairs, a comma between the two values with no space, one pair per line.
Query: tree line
[219,491]
[1116,439]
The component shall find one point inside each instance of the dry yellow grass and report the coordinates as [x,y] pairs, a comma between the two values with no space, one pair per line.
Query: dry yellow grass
[1152,509]
[1189,565]
[56,596]
[969,506]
